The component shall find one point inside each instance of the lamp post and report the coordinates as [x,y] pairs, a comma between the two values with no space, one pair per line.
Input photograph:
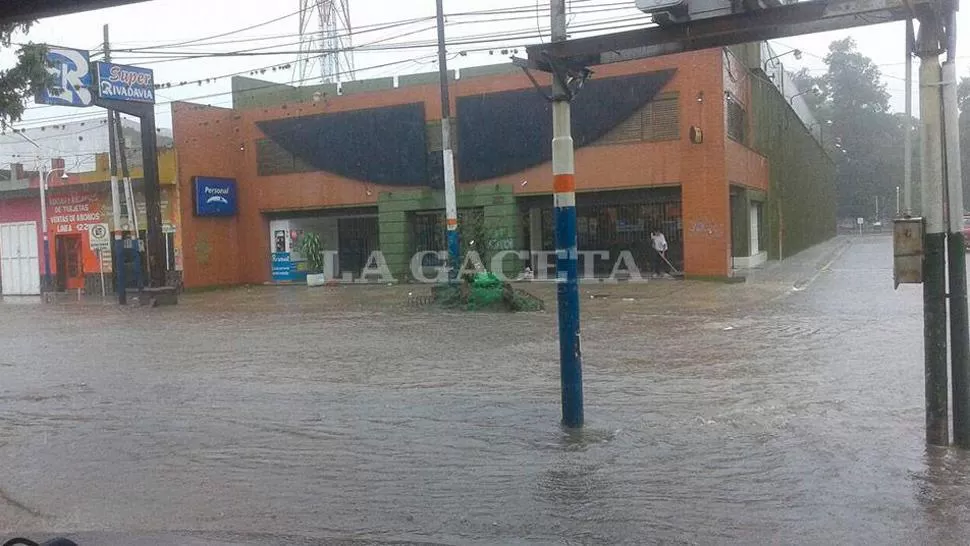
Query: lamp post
[45,180]
[798,56]
[814,90]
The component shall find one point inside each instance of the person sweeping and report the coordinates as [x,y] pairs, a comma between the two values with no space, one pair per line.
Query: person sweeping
[659,243]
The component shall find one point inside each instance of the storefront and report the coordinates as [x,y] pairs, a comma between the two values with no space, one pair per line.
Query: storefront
[348,237]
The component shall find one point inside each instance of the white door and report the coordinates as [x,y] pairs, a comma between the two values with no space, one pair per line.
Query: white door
[754,229]
[19,262]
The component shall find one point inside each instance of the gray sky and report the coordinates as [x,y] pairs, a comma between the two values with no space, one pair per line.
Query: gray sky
[161,22]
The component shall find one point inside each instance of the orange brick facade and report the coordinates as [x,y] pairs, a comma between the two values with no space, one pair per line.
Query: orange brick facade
[221,142]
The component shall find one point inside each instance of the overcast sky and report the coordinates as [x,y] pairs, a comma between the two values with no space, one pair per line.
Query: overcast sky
[162,22]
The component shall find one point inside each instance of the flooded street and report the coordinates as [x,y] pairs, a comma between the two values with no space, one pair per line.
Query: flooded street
[785,410]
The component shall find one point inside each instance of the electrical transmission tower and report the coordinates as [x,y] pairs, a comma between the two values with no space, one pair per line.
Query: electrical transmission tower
[325,41]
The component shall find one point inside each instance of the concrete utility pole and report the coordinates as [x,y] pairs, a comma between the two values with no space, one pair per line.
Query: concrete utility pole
[118,258]
[130,202]
[564,203]
[959,327]
[447,155]
[908,135]
[934,251]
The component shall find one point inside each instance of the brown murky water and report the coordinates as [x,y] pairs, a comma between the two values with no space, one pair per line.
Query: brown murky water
[739,414]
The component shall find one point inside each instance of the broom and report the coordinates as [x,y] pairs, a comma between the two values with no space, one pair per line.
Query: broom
[673,270]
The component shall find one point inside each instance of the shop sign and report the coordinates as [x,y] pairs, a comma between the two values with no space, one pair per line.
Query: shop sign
[74,212]
[215,196]
[125,83]
[70,71]
[285,269]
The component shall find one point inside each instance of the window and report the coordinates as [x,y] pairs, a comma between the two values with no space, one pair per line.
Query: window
[658,120]
[736,121]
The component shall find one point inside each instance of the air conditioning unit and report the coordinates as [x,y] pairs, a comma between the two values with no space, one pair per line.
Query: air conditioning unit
[667,12]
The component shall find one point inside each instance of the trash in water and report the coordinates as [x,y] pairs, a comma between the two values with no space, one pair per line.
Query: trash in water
[728,328]
[629,299]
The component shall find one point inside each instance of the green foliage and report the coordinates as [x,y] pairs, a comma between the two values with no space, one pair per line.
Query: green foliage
[23,80]
[312,249]
[863,137]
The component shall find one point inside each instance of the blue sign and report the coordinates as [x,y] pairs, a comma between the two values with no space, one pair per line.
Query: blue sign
[71,72]
[127,83]
[215,196]
[286,270]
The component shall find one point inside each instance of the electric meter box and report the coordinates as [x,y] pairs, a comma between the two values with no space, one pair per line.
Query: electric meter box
[908,251]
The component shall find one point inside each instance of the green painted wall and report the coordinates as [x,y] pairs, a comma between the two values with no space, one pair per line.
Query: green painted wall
[802,199]
[252,93]
[395,208]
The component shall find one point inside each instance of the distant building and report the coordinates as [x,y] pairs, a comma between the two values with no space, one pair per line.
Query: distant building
[76,142]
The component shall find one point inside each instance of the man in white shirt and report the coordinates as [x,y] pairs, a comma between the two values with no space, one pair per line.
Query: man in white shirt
[659,251]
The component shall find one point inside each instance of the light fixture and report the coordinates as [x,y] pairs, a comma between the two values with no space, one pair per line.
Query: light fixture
[700,96]
[64,176]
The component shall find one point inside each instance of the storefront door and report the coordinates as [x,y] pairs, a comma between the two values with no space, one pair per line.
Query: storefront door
[70,268]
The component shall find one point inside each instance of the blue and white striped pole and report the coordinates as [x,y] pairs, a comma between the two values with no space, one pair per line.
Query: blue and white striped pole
[564,203]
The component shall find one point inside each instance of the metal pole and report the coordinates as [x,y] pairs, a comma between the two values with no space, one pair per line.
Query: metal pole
[959,327]
[908,135]
[46,285]
[153,200]
[130,202]
[564,203]
[934,270]
[448,158]
[118,251]
[101,268]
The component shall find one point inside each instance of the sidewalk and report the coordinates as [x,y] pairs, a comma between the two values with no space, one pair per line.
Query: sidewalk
[798,270]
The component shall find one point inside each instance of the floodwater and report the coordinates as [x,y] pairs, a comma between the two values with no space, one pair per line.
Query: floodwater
[754,414]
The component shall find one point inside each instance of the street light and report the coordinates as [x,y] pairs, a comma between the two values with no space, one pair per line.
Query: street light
[814,90]
[46,285]
[796,52]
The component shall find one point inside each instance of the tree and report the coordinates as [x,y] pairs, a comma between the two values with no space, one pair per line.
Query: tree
[862,136]
[24,79]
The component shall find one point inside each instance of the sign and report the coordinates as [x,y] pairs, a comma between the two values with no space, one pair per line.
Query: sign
[860,221]
[74,212]
[99,237]
[125,83]
[215,196]
[71,72]
[285,269]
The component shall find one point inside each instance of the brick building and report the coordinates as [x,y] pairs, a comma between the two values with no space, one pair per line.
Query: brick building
[688,143]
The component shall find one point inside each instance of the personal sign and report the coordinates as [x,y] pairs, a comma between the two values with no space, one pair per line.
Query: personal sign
[125,83]
[99,237]
[215,196]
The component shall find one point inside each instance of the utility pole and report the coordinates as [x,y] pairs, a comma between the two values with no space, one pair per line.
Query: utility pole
[564,211]
[44,173]
[908,135]
[959,328]
[130,201]
[934,245]
[118,254]
[447,155]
